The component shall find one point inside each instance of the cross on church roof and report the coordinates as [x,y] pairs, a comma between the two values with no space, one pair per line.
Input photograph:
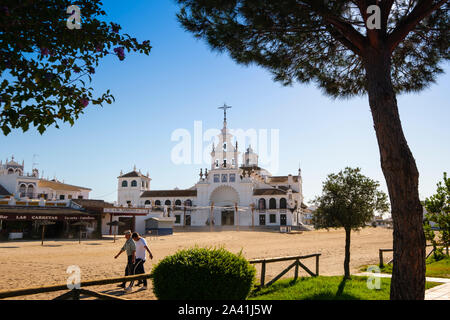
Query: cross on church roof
[225,107]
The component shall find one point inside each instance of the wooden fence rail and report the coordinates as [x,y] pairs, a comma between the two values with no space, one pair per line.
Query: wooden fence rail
[296,264]
[75,293]
[380,254]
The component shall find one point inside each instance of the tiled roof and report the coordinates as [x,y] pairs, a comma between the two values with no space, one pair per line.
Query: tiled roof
[132,174]
[59,186]
[169,193]
[282,179]
[3,191]
[91,203]
[268,192]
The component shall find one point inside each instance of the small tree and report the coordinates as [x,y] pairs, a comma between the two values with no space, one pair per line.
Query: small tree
[349,200]
[438,207]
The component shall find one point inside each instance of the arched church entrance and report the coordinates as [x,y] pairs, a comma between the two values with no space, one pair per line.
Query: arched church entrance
[225,197]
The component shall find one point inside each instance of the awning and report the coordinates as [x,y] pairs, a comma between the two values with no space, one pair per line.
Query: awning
[60,217]
[15,213]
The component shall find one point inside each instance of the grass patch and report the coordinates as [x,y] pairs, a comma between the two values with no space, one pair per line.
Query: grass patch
[326,288]
[438,269]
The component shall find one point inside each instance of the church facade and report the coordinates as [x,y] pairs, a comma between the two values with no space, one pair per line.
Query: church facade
[229,193]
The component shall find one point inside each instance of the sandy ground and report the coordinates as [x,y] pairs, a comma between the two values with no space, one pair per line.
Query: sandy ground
[28,264]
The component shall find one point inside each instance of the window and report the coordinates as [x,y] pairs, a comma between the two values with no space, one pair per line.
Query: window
[262,219]
[233,161]
[217,178]
[217,163]
[124,183]
[30,191]
[273,218]
[225,146]
[188,203]
[147,202]
[143,184]
[61,197]
[177,218]
[283,203]
[22,189]
[262,204]
[79,197]
[10,171]
[134,183]
[167,203]
[232,177]
[272,203]
[178,202]
[224,178]
[129,203]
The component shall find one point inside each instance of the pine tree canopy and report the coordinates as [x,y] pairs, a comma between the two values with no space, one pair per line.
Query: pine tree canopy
[327,42]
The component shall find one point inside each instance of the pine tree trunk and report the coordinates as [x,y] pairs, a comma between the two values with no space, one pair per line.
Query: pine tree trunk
[402,178]
[347,254]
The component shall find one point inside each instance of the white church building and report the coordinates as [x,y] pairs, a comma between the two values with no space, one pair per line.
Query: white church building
[229,193]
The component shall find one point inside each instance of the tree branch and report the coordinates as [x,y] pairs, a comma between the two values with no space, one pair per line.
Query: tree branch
[423,9]
[351,38]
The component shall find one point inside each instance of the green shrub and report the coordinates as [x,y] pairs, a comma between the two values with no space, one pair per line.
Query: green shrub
[203,274]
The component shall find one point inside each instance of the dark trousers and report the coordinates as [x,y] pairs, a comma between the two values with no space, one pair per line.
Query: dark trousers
[139,269]
[129,269]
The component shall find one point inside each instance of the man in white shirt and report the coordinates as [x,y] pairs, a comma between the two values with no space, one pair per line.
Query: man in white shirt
[141,247]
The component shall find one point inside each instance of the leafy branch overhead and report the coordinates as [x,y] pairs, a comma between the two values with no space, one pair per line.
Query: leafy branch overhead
[326,42]
[46,69]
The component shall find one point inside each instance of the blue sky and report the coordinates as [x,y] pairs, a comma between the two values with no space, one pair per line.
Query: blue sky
[182,81]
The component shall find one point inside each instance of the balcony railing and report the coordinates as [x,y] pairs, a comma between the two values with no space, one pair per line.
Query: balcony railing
[29,195]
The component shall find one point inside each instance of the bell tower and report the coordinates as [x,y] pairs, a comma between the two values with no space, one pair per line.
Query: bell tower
[225,154]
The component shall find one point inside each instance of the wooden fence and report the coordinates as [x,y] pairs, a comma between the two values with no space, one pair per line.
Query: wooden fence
[296,264]
[74,294]
[380,254]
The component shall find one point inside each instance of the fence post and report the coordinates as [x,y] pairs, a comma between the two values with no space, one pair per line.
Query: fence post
[75,294]
[381,258]
[296,270]
[263,272]
[317,265]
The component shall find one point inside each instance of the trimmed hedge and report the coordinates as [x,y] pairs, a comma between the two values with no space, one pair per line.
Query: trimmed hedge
[203,274]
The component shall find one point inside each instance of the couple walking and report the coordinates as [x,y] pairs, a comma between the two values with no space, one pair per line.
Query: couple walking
[135,247]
